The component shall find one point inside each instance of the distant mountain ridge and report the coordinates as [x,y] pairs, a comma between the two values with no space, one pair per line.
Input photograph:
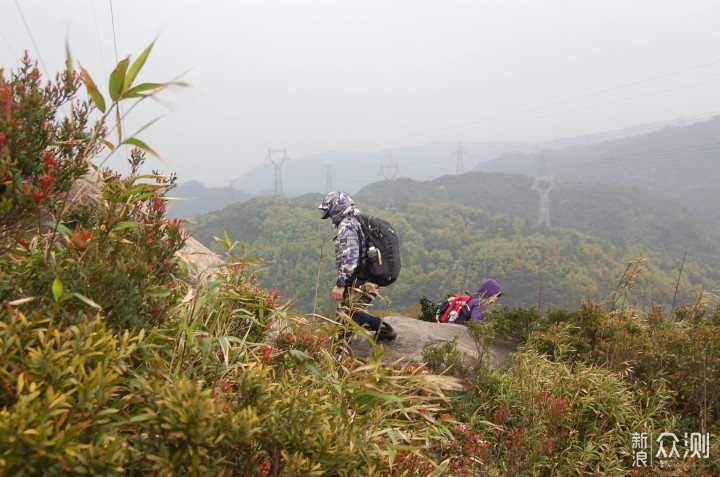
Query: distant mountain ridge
[621,215]
[680,164]
[351,171]
[348,171]
[192,198]
[457,229]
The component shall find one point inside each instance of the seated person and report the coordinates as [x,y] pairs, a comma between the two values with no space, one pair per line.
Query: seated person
[488,292]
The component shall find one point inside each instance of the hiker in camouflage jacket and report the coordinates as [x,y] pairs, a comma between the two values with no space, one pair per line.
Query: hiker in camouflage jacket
[349,257]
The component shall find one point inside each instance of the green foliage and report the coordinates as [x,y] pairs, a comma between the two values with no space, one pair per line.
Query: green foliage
[61,388]
[551,419]
[428,308]
[653,352]
[40,155]
[515,323]
[113,365]
[482,335]
[445,358]
[444,253]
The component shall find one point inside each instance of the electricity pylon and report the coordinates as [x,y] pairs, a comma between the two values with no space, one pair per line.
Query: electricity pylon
[543,184]
[390,172]
[231,192]
[277,157]
[328,178]
[459,168]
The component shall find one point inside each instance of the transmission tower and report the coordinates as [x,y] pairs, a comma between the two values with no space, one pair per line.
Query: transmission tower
[277,157]
[231,192]
[459,169]
[543,184]
[390,170]
[328,178]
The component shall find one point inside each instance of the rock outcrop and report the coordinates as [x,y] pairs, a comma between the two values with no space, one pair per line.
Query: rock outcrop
[415,335]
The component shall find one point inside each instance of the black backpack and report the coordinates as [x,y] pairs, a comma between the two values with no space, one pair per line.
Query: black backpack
[382,249]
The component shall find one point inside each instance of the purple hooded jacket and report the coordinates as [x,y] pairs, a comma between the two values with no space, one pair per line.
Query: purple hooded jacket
[478,301]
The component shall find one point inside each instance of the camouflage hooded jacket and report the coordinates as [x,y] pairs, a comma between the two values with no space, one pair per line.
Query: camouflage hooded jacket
[340,208]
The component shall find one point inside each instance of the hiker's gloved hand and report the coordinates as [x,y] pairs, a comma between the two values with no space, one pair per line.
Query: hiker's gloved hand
[338,292]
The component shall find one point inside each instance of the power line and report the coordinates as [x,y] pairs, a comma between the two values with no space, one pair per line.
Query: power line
[705,151]
[549,115]
[112,19]
[7,42]
[574,98]
[32,39]
[591,137]
[97,33]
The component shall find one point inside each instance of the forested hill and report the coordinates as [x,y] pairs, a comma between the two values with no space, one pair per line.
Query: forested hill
[619,215]
[448,246]
[677,163]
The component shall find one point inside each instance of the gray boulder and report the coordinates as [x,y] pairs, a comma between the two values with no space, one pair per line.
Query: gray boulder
[415,335]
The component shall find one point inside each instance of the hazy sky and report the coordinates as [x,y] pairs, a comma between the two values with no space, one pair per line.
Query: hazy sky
[345,75]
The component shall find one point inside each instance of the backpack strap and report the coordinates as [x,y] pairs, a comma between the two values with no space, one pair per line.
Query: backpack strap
[359,273]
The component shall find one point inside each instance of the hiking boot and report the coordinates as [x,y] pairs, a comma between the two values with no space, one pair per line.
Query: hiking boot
[386,333]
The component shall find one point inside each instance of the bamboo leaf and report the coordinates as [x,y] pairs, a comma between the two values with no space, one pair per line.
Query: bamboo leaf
[137,142]
[158,292]
[117,79]
[142,417]
[313,367]
[440,468]
[62,229]
[68,65]
[136,67]
[57,289]
[22,301]
[127,225]
[92,88]
[299,356]
[225,347]
[87,79]
[146,126]
[87,301]
[144,89]
[97,99]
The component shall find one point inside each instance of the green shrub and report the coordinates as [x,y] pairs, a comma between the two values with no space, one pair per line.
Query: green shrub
[552,419]
[427,309]
[445,358]
[61,390]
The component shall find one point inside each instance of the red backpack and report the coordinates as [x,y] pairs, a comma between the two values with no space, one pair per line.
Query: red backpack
[449,309]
